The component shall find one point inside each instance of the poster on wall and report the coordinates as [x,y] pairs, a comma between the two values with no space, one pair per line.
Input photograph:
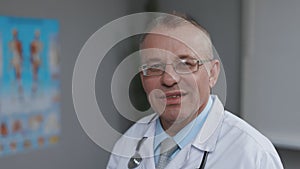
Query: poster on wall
[29,84]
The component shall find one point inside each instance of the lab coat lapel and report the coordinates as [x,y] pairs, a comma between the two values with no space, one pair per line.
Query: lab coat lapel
[147,154]
[206,140]
[146,150]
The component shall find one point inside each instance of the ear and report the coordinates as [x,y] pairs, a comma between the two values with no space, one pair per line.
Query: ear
[214,72]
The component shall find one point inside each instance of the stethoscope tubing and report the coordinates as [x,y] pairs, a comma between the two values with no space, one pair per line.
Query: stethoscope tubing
[204,159]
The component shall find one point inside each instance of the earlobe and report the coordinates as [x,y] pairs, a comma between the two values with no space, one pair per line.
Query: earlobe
[211,82]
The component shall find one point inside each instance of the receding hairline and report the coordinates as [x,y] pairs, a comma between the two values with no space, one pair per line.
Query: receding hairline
[173,21]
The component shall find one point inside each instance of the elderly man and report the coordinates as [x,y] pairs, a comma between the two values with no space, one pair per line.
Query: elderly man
[190,129]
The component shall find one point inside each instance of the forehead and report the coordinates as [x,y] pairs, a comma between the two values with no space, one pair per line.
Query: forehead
[180,41]
[158,55]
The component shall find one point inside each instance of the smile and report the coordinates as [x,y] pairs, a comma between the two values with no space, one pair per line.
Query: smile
[173,97]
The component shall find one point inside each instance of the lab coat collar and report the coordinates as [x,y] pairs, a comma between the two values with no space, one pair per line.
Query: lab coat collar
[206,140]
[150,132]
[147,151]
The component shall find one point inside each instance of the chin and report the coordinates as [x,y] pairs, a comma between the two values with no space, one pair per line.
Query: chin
[174,116]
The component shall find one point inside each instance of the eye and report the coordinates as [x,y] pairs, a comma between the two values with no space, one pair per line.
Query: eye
[155,67]
[188,62]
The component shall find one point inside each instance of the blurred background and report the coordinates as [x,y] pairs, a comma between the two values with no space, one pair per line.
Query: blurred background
[251,37]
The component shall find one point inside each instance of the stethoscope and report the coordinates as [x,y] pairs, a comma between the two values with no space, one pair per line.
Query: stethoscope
[136,159]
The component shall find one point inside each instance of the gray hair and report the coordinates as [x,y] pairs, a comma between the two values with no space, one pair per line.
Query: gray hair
[173,21]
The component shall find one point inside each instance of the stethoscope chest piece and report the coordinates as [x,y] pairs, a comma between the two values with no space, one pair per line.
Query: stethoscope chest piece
[135,161]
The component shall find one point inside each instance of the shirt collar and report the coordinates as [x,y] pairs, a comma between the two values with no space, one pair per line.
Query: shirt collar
[188,133]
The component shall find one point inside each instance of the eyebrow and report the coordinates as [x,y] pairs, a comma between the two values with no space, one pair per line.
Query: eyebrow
[153,60]
[185,57]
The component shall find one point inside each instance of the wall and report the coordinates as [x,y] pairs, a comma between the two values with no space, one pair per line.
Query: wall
[270,82]
[78,20]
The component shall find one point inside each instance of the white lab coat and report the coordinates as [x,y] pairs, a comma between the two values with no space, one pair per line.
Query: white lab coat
[230,141]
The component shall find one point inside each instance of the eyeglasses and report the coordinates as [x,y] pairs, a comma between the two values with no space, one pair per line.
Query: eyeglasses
[181,66]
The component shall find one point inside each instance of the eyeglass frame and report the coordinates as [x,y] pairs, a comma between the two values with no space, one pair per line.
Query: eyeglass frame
[199,63]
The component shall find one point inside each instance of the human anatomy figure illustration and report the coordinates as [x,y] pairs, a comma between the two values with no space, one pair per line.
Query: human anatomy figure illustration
[15,47]
[35,59]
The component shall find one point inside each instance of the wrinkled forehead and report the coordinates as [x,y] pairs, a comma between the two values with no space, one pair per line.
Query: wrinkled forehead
[182,41]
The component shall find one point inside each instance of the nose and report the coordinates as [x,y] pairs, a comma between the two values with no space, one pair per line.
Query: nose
[170,77]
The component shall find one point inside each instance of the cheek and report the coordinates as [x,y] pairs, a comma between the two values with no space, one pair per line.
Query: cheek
[203,86]
[150,84]
[202,82]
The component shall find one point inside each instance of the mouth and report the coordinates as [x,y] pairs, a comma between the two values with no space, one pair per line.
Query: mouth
[173,97]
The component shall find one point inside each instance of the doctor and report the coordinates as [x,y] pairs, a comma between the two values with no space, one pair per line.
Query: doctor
[190,129]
